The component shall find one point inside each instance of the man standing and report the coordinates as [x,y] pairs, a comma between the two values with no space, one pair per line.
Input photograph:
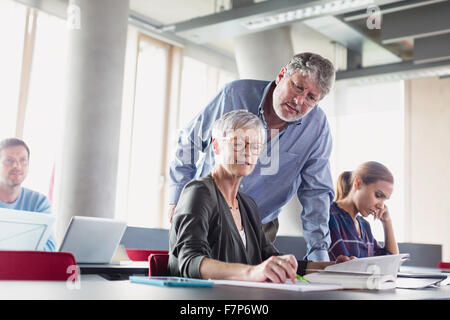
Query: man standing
[14,157]
[298,149]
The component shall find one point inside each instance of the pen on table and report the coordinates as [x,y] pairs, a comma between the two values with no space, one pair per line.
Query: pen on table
[299,277]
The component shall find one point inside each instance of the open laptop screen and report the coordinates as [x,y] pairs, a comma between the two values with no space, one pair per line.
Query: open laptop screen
[24,230]
[92,240]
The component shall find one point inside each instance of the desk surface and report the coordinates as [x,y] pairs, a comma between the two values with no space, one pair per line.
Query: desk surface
[96,287]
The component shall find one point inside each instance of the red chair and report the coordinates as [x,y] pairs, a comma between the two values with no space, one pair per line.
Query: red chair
[143,254]
[157,264]
[38,265]
[444,265]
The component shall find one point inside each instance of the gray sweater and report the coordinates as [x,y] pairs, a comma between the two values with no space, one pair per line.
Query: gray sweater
[203,226]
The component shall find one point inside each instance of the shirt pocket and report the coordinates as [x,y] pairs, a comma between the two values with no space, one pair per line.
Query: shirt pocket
[283,171]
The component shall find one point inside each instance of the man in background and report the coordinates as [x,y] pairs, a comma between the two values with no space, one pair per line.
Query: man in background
[14,160]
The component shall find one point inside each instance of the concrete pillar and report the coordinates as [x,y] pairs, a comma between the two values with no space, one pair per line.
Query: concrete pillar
[87,166]
[261,55]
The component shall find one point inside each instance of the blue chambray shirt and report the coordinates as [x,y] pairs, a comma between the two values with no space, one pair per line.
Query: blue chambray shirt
[295,161]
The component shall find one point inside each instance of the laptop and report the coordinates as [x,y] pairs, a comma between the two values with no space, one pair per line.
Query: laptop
[92,240]
[24,230]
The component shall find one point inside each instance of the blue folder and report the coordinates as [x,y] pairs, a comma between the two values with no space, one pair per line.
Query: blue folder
[172,281]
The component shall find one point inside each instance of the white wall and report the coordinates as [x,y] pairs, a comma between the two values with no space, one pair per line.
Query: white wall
[427,120]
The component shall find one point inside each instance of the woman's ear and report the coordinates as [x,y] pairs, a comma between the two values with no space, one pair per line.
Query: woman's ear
[357,183]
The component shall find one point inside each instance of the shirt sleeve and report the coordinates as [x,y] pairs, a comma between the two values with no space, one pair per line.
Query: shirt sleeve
[315,194]
[378,250]
[45,207]
[191,227]
[192,143]
[337,246]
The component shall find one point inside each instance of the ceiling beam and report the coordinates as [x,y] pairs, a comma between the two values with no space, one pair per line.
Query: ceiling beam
[392,68]
[388,8]
[263,16]
[418,22]
[432,49]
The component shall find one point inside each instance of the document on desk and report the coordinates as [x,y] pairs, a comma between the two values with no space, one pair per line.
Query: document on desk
[375,273]
[288,285]
[421,280]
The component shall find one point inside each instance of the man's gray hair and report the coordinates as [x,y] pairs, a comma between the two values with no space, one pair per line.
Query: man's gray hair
[315,67]
[235,120]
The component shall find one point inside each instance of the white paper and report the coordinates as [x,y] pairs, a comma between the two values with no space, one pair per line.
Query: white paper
[416,283]
[288,285]
[355,281]
[386,265]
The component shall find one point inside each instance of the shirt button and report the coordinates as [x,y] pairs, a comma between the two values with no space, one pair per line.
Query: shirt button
[242,186]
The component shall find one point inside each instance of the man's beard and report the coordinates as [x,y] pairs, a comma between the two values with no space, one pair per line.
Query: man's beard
[279,114]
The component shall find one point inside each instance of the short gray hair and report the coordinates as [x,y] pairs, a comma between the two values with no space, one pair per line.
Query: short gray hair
[315,67]
[237,119]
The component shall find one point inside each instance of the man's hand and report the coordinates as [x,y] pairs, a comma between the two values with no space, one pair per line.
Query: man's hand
[171,211]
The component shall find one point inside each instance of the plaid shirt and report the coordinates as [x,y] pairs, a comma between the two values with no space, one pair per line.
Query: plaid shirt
[345,239]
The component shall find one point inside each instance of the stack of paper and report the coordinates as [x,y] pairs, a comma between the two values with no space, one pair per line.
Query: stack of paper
[377,273]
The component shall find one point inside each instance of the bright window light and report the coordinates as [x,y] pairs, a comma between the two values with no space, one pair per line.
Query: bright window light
[12,29]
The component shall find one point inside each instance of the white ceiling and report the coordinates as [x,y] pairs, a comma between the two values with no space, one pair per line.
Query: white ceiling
[172,11]
[167,12]
[320,32]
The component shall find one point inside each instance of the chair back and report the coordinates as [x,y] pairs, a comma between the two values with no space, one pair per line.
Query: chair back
[421,254]
[37,265]
[157,265]
[143,254]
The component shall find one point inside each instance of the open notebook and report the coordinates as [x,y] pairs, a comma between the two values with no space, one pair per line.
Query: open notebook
[376,273]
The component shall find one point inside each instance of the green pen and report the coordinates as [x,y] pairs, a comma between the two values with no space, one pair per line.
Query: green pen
[299,277]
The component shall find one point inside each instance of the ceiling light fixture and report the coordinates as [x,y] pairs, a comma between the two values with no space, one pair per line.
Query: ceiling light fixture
[304,13]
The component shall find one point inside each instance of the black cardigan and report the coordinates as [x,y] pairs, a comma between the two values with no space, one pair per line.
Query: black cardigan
[204,227]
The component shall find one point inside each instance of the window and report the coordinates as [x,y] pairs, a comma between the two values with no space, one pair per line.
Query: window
[151,130]
[45,99]
[367,125]
[12,29]
[144,185]
[33,62]
[199,84]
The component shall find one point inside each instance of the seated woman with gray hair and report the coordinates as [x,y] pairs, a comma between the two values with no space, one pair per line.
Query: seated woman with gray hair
[216,231]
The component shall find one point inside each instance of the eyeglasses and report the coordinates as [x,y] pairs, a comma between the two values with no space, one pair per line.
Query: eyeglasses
[299,90]
[11,162]
[240,145]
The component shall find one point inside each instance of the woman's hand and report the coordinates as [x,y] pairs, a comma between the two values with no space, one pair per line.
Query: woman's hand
[344,259]
[383,214]
[276,269]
